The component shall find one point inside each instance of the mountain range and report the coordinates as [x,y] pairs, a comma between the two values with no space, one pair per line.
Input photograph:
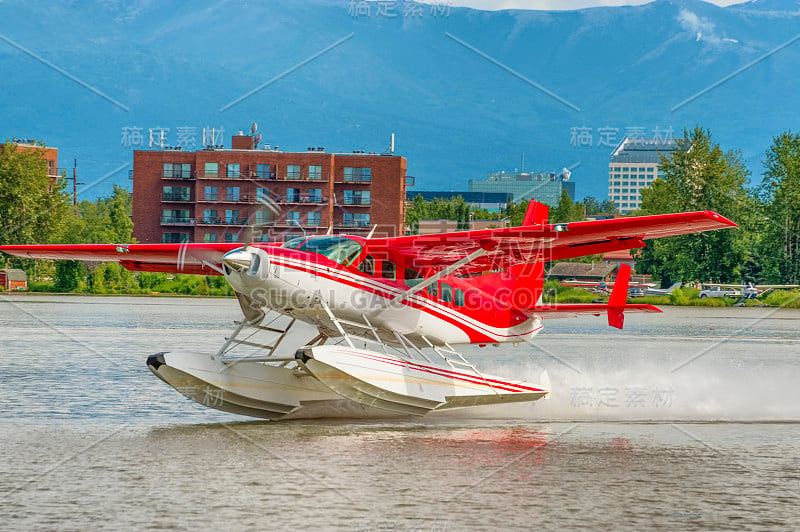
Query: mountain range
[465,91]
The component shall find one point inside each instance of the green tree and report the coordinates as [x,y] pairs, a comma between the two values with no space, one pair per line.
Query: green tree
[69,275]
[103,221]
[698,176]
[566,211]
[33,208]
[592,206]
[779,248]
[456,209]
[608,207]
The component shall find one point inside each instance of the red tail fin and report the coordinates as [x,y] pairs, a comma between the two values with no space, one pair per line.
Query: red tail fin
[619,296]
[536,214]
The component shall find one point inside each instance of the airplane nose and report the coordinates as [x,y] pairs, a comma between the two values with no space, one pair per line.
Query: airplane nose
[237,260]
[155,361]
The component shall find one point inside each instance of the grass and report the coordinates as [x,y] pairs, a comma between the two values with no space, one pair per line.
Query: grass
[782,298]
[690,297]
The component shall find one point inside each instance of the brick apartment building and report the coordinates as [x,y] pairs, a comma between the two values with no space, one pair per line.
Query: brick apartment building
[48,153]
[245,194]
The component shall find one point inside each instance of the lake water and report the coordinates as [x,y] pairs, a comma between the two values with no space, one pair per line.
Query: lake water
[687,420]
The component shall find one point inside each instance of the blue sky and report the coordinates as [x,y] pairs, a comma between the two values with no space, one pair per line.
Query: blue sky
[553,4]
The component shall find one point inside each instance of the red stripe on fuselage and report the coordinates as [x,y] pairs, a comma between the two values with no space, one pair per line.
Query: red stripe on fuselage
[383,293]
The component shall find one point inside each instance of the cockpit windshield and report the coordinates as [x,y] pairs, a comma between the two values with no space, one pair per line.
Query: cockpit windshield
[337,248]
[294,243]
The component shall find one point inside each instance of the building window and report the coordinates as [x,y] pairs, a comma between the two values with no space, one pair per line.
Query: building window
[210,237]
[314,219]
[315,195]
[262,194]
[178,170]
[212,169]
[174,238]
[356,197]
[232,217]
[293,195]
[210,216]
[264,171]
[171,216]
[293,171]
[293,218]
[358,175]
[211,193]
[233,170]
[315,173]
[263,218]
[232,193]
[176,194]
[356,219]
[230,237]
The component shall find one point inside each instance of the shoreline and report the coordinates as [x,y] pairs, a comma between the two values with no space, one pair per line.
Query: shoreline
[698,303]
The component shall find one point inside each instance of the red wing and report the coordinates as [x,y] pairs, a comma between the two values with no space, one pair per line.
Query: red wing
[202,259]
[517,245]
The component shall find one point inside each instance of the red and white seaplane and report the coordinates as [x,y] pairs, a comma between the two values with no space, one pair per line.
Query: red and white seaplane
[340,325]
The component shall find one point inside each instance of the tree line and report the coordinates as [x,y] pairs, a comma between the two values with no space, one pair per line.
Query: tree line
[698,175]
[36,210]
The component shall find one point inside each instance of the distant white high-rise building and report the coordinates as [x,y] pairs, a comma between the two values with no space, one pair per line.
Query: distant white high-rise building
[634,165]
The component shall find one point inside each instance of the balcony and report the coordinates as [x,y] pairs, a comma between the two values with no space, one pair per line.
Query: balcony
[302,198]
[353,225]
[356,202]
[241,198]
[221,198]
[216,220]
[178,175]
[176,220]
[166,196]
[242,174]
[262,175]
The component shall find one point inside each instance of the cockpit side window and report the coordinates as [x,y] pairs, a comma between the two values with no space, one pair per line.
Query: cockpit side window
[388,270]
[413,277]
[446,292]
[337,248]
[367,265]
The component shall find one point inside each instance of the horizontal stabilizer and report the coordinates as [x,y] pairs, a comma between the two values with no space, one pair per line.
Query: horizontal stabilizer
[615,308]
[572,311]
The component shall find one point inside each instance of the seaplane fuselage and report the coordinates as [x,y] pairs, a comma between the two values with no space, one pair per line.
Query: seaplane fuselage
[356,285]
